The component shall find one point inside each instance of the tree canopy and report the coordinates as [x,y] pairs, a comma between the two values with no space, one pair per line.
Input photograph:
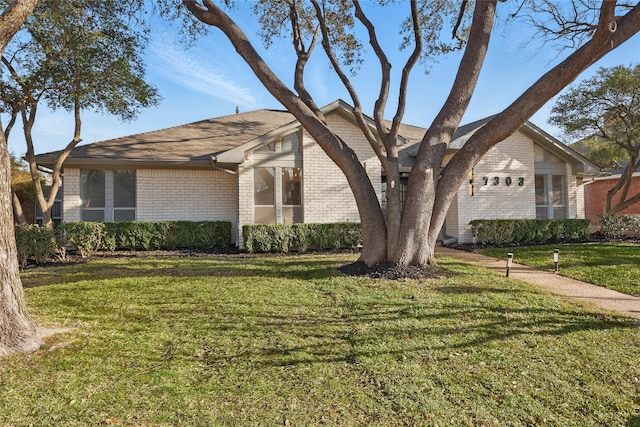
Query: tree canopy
[75,56]
[407,234]
[604,111]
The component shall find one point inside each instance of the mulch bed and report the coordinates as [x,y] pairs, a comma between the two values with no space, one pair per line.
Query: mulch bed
[393,271]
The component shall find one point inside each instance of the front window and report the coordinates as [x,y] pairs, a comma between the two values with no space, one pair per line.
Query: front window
[277,195]
[92,194]
[108,195]
[550,196]
[124,195]
[288,144]
[291,195]
[264,186]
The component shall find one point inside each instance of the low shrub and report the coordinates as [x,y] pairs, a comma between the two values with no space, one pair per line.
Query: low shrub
[301,238]
[167,235]
[37,244]
[196,235]
[86,237]
[529,231]
[40,244]
[620,226]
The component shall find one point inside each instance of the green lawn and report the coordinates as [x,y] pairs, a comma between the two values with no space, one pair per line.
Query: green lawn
[275,340]
[612,265]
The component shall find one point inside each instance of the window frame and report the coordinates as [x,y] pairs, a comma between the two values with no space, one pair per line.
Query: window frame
[109,210]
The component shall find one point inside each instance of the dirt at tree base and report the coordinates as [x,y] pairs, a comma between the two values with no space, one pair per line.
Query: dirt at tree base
[393,271]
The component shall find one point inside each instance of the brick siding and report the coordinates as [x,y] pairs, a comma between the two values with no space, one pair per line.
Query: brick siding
[595,194]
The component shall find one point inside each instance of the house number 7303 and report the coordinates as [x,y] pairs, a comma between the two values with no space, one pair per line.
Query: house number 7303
[508,180]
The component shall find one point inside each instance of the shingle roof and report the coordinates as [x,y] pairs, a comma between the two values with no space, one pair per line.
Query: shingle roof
[187,143]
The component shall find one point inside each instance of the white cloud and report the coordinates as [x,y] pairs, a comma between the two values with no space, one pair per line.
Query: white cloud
[173,63]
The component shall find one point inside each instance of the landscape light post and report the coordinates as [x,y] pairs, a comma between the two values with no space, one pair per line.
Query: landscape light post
[556,259]
[509,262]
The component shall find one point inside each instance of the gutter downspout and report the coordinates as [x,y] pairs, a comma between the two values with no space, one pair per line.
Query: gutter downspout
[214,160]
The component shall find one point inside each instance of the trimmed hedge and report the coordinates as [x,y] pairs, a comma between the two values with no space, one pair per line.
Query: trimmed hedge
[529,231]
[167,235]
[620,226]
[284,238]
[36,243]
[40,245]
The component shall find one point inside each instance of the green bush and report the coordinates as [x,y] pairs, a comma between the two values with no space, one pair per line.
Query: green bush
[301,237]
[618,226]
[196,235]
[529,231]
[36,243]
[40,244]
[86,237]
[133,235]
[146,236]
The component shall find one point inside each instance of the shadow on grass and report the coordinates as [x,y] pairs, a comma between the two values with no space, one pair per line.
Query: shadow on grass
[228,266]
[394,330]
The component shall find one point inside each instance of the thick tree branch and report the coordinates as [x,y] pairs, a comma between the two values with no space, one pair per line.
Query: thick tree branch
[12,19]
[406,71]
[343,156]
[357,106]
[385,70]
[423,180]
[303,56]
[610,33]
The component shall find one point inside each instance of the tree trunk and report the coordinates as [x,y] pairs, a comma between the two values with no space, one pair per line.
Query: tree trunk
[17,330]
[17,210]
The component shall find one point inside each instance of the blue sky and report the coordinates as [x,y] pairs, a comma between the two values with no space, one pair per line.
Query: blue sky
[210,80]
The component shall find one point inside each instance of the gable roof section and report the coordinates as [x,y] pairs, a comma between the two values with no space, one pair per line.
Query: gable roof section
[190,145]
[581,166]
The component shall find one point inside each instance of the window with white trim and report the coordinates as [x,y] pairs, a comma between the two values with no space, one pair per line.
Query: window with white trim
[550,196]
[550,185]
[277,195]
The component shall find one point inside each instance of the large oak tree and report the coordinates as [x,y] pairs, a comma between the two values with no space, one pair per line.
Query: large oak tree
[408,235]
[17,331]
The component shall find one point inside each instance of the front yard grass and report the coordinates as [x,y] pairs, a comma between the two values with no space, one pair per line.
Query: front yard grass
[288,340]
[612,265]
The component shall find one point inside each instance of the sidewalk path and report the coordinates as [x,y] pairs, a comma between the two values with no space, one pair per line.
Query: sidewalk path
[557,284]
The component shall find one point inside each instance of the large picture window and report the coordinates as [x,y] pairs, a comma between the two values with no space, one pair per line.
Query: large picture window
[108,195]
[277,195]
[550,185]
[550,197]
[264,190]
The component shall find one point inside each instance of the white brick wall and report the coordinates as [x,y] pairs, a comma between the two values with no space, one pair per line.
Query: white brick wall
[512,158]
[71,204]
[245,194]
[190,195]
[327,196]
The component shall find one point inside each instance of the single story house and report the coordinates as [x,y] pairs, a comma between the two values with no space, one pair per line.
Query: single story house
[263,167]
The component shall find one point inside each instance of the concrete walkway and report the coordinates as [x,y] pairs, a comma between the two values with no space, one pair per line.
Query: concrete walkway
[602,297]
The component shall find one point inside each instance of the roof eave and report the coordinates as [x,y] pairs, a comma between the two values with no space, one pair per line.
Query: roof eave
[131,163]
